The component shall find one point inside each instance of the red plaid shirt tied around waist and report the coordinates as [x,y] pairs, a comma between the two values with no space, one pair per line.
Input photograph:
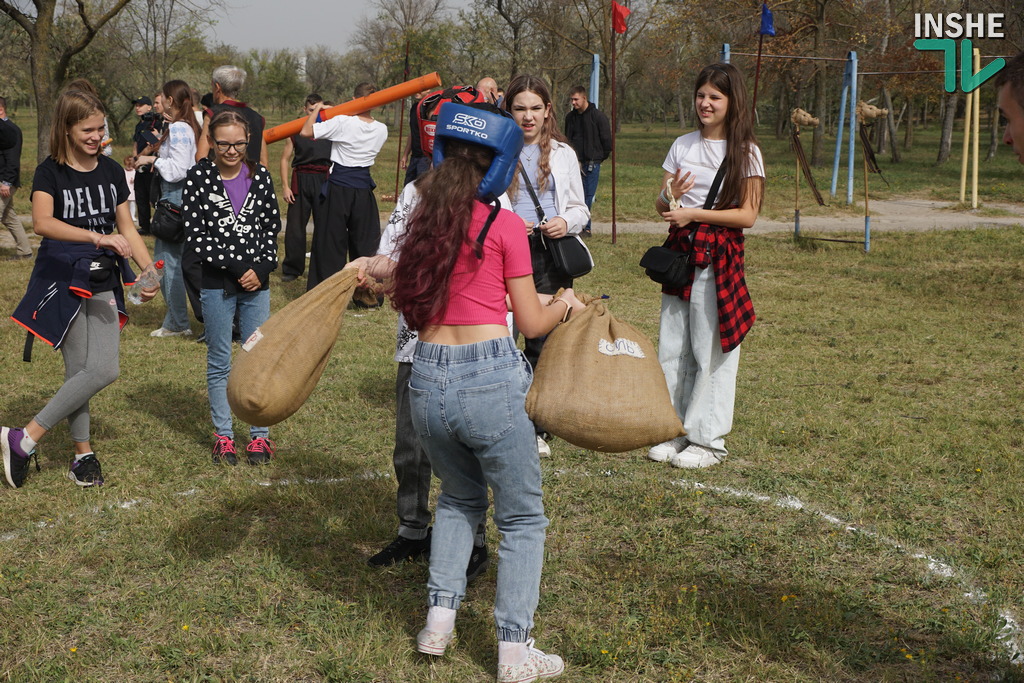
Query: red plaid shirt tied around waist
[721,248]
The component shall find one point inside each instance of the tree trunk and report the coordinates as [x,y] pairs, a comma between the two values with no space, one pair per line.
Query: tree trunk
[818,139]
[949,116]
[891,124]
[44,88]
[995,138]
[908,133]
[681,107]
[781,113]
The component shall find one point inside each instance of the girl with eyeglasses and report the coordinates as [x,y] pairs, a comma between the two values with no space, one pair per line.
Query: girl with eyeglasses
[175,156]
[231,223]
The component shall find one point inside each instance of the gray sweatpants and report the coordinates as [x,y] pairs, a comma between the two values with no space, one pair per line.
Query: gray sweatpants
[90,353]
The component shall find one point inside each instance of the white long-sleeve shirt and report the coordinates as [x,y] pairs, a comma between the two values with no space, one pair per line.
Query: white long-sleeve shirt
[177,154]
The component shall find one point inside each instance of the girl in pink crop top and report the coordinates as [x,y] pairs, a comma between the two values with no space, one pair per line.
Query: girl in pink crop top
[467,394]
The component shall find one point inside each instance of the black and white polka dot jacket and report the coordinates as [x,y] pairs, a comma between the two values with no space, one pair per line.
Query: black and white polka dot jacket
[229,245]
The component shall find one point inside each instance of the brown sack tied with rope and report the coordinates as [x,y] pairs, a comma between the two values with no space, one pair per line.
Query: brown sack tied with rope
[599,385]
[281,363]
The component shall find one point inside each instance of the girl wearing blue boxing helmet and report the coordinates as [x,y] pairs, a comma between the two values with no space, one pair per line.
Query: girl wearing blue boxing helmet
[469,381]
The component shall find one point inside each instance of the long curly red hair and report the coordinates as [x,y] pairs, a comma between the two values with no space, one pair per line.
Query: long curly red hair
[435,232]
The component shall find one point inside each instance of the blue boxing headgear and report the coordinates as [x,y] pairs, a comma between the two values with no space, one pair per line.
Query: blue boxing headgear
[489,127]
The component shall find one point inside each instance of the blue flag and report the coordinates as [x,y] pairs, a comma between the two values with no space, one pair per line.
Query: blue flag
[767,21]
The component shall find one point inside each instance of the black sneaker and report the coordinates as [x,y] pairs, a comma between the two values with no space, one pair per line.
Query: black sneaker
[400,550]
[479,561]
[224,450]
[85,471]
[260,451]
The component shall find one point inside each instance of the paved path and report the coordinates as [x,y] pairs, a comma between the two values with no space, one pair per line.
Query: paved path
[886,215]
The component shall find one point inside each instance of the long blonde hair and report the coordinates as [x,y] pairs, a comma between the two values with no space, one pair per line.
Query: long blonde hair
[548,131]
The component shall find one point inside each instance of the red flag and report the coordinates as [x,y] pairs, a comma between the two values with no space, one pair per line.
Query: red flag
[619,14]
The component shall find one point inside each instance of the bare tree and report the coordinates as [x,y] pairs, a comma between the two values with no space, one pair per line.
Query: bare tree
[53,41]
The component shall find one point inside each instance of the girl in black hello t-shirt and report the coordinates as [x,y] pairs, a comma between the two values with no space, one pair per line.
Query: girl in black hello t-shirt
[74,301]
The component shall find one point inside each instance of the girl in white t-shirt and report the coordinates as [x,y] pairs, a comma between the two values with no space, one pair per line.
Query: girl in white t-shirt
[703,322]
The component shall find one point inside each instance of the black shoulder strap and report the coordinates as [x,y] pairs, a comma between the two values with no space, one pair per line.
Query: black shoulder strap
[533,195]
[715,184]
[478,246]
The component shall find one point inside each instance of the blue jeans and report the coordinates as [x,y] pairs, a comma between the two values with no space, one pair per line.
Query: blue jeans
[469,409]
[173,284]
[219,311]
[590,172]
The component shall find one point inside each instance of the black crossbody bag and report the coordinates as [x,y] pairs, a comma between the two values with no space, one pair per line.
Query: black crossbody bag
[569,253]
[672,268]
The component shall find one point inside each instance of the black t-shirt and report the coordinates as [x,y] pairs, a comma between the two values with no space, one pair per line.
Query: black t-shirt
[84,199]
[415,148]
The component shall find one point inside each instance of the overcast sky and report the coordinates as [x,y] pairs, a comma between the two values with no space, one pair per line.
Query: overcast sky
[276,24]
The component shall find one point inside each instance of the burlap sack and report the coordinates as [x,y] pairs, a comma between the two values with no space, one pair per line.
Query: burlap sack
[280,364]
[599,385]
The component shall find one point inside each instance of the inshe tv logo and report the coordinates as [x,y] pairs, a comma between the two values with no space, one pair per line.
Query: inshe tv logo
[940,31]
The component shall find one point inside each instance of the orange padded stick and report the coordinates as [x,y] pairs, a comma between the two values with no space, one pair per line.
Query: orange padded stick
[371,101]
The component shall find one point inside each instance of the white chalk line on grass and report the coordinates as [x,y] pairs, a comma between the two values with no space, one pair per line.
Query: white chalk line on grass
[1008,636]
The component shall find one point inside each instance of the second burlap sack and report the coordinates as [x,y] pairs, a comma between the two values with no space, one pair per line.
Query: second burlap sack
[599,385]
[281,363]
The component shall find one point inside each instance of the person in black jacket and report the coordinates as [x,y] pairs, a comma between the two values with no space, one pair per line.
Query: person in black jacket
[10,181]
[147,133]
[590,135]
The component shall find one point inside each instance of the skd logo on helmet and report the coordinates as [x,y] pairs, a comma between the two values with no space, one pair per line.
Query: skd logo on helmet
[469,120]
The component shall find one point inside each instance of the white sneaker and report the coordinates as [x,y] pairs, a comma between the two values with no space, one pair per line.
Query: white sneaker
[664,451]
[543,449]
[163,332]
[694,456]
[537,665]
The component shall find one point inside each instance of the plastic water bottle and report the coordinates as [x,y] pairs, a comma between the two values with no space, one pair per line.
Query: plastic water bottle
[150,278]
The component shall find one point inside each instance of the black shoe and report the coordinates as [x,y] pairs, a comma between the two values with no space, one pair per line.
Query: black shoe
[585,233]
[400,550]
[289,278]
[86,471]
[478,563]
[201,339]
[224,450]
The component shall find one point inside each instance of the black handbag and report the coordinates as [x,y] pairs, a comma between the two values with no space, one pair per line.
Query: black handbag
[672,268]
[570,254]
[167,222]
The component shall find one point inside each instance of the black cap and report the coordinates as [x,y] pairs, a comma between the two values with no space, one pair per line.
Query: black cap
[142,100]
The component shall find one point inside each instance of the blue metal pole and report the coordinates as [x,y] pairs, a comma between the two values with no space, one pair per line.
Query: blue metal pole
[839,132]
[595,79]
[867,233]
[726,52]
[796,224]
[853,119]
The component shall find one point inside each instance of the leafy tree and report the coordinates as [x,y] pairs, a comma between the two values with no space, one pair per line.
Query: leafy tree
[54,39]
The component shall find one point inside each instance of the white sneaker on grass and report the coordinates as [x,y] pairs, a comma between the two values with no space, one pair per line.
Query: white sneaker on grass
[663,451]
[543,449]
[164,332]
[537,665]
[695,456]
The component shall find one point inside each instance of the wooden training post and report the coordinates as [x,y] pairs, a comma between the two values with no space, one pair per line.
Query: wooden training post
[799,117]
[361,104]
[867,112]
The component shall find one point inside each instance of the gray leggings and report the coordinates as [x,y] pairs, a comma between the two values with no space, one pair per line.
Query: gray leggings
[90,353]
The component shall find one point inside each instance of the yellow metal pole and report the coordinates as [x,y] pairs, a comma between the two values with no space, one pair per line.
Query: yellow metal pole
[966,149]
[977,124]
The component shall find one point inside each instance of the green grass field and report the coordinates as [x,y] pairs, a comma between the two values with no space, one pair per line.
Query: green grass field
[865,528]
[882,391]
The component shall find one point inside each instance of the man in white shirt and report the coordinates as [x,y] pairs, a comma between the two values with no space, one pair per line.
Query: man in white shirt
[352,222]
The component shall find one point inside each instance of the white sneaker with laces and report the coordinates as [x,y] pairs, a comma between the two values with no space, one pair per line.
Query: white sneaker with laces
[164,332]
[543,449]
[537,665]
[695,456]
[664,451]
